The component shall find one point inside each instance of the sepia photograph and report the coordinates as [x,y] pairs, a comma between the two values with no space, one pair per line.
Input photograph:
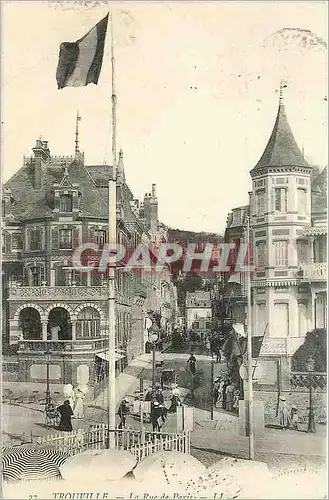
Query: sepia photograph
[164,249]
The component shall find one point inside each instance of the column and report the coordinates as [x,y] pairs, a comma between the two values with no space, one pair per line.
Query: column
[313,315]
[44,325]
[74,330]
[52,277]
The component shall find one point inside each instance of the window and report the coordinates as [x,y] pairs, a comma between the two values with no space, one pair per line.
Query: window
[195,325]
[66,203]
[100,236]
[88,323]
[261,320]
[260,202]
[260,254]
[281,319]
[302,251]
[17,241]
[35,275]
[35,239]
[301,200]
[65,239]
[281,253]
[280,199]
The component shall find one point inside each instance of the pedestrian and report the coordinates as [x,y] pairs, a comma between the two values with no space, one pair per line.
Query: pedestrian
[78,407]
[159,396]
[236,398]
[191,362]
[226,383]
[123,411]
[219,401]
[66,413]
[156,416]
[216,389]
[175,400]
[218,354]
[284,414]
[294,417]
[229,396]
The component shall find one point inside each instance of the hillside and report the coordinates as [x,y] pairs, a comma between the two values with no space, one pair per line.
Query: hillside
[183,236]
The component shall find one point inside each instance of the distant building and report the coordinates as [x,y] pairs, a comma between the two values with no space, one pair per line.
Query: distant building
[288,220]
[51,206]
[198,311]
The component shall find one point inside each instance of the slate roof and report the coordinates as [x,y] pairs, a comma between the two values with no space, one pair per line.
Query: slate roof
[35,203]
[282,149]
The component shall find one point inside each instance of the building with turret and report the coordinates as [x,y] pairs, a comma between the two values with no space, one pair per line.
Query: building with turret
[288,234]
[52,205]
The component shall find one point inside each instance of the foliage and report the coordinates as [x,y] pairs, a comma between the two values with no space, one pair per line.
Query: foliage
[315,346]
[190,283]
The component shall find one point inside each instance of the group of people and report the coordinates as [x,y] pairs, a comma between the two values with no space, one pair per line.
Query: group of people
[225,394]
[72,407]
[158,410]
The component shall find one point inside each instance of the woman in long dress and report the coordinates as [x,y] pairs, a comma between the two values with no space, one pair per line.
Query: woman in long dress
[284,414]
[78,407]
[66,413]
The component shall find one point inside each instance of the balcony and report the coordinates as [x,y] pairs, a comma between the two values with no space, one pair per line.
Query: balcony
[315,272]
[58,293]
[63,346]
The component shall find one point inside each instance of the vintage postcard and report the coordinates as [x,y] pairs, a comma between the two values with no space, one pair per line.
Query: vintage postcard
[164,250]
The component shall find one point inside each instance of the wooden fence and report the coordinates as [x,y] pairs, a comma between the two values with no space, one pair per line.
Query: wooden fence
[141,444]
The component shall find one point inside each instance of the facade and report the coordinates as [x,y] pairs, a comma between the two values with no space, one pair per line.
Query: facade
[198,311]
[52,205]
[288,236]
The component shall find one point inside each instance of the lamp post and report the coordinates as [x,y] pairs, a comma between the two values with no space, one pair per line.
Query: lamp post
[311,422]
[153,338]
[47,356]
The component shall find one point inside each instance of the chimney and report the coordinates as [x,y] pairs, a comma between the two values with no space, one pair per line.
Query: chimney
[38,165]
[154,190]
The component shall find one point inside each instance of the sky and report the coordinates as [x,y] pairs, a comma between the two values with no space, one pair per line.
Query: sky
[197,87]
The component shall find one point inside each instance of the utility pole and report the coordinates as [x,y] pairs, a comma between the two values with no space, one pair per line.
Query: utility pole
[112,238]
[249,351]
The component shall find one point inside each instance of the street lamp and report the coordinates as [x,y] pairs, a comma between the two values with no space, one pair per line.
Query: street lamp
[47,356]
[311,423]
[153,338]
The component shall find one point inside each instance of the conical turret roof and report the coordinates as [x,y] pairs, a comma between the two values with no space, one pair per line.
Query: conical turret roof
[282,149]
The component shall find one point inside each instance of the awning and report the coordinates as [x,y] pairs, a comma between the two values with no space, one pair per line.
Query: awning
[105,355]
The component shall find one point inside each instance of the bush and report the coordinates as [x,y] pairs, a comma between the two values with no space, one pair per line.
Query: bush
[315,346]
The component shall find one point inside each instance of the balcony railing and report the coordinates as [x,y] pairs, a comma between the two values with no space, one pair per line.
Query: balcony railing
[315,272]
[58,292]
[274,346]
[62,346]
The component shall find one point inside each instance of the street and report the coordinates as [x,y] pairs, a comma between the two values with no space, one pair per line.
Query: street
[210,440]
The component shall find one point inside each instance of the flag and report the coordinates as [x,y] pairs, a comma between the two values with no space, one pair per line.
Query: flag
[80,62]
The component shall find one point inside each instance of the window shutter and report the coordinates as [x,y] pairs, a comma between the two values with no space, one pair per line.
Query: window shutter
[38,238]
[42,273]
[8,243]
[25,276]
[42,238]
[55,238]
[90,235]
[273,200]
[75,237]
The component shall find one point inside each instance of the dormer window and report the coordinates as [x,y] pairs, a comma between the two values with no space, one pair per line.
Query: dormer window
[66,203]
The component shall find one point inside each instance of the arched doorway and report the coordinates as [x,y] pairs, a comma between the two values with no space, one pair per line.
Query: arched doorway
[88,323]
[30,324]
[59,324]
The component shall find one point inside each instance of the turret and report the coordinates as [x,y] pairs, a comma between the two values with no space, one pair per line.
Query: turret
[121,178]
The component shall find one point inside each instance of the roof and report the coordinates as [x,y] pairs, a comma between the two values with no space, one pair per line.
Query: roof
[199,298]
[36,203]
[282,149]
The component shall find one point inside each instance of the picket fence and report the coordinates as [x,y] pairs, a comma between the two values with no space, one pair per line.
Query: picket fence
[140,443]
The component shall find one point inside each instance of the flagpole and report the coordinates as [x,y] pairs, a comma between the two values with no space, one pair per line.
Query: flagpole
[249,352]
[112,237]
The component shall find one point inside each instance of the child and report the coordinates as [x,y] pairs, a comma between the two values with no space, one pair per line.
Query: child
[294,417]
